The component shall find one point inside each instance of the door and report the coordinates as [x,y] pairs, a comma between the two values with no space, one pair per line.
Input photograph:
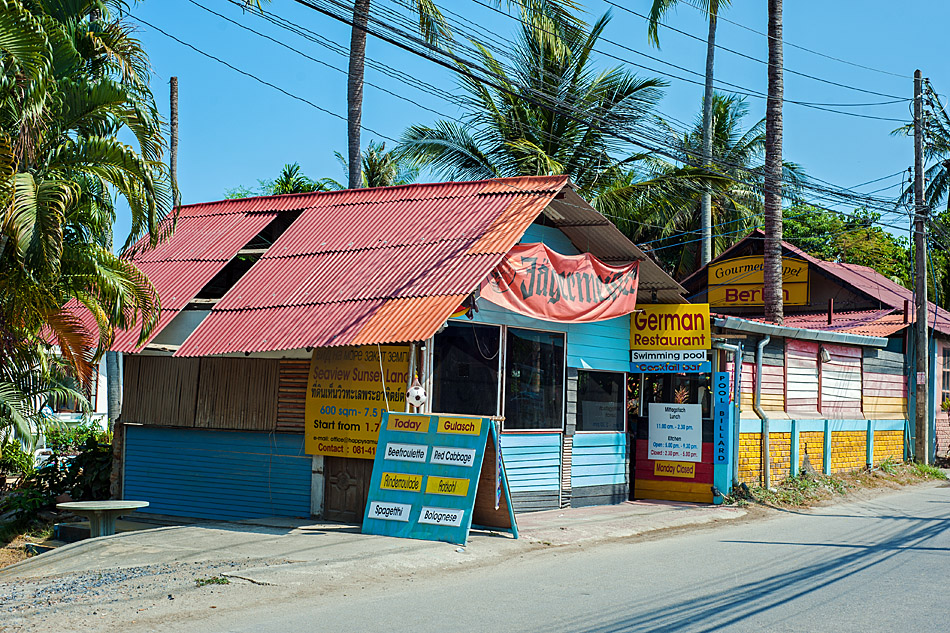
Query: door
[347,486]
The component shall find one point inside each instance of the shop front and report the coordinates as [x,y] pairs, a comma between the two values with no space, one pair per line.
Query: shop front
[671,403]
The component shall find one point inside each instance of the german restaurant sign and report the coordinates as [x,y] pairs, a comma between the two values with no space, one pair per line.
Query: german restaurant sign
[348,390]
[535,281]
[739,282]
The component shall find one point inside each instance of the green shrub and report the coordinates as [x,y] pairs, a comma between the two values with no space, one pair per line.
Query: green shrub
[14,460]
[68,439]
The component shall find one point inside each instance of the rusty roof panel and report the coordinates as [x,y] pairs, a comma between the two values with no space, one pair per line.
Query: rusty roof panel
[279,328]
[413,319]
[216,237]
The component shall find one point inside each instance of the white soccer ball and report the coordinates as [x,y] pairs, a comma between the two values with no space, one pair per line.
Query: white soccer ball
[416,396]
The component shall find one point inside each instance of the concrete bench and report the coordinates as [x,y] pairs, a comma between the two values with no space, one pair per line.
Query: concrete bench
[102,514]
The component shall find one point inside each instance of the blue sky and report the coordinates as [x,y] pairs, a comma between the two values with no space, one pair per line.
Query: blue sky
[234,130]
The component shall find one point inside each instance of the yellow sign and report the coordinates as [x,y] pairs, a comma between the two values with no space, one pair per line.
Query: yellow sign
[670,326]
[447,486]
[738,282]
[401,481]
[687,470]
[408,422]
[465,426]
[347,392]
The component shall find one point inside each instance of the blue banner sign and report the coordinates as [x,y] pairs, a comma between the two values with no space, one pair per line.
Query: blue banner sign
[723,428]
[722,419]
[664,367]
[425,476]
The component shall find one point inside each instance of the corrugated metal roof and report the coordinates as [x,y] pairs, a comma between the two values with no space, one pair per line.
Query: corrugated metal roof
[881,323]
[372,265]
[206,238]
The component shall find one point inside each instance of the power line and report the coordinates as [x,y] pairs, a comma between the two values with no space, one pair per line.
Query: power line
[721,18]
[896,99]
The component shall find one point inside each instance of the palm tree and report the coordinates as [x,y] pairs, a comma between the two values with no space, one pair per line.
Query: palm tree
[73,78]
[433,28]
[733,202]
[291,180]
[381,168]
[657,11]
[772,264]
[539,120]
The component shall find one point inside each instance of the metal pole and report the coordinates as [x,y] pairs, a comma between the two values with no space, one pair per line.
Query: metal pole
[921,451]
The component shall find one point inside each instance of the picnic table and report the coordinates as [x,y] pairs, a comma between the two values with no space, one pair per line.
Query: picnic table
[102,514]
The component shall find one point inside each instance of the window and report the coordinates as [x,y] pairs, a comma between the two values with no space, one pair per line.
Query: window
[534,380]
[678,388]
[945,377]
[600,401]
[465,380]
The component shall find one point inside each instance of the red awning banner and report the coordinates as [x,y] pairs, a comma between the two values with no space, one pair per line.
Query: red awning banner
[537,282]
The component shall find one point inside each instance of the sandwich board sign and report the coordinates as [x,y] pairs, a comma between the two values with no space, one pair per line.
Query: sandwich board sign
[431,479]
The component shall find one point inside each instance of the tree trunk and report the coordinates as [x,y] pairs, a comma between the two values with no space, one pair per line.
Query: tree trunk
[173,142]
[706,206]
[113,387]
[772,265]
[354,91]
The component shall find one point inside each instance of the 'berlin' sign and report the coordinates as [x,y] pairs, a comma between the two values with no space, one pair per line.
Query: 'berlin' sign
[535,281]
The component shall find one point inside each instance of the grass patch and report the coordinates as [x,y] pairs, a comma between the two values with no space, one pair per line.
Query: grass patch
[928,471]
[213,580]
[808,489]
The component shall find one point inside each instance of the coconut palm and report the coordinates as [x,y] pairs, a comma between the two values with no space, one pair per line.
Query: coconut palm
[668,214]
[73,78]
[772,260]
[381,168]
[658,10]
[550,115]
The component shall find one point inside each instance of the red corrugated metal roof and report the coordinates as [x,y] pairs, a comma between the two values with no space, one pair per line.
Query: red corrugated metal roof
[371,265]
[881,323]
[206,238]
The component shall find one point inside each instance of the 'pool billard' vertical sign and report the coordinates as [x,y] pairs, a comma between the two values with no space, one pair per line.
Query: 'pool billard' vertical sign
[426,475]
[722,432]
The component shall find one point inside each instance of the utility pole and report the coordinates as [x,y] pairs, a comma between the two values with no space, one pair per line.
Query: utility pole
[921,448]
[173,143]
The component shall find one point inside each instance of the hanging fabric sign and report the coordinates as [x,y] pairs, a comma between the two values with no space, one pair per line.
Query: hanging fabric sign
[537,282]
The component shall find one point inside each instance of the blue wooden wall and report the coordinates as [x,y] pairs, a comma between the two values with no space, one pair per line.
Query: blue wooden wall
[599,459]
[222,475]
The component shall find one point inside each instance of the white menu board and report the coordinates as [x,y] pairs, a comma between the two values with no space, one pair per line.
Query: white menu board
[676,432]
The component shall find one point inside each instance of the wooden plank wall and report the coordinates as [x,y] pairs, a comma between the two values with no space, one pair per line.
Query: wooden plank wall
[884,386]
[215,393]
[533,464]
[237,393]
[292,395]
[801,375]
[599,472]
[841,383]
[160,390]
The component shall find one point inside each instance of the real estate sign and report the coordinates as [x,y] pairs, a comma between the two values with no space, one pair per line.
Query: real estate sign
[348,391]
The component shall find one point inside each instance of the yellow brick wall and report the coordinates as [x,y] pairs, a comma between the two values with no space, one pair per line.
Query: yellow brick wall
[811,443]
[888,444]
[750,458]
[848,450]
[780,453]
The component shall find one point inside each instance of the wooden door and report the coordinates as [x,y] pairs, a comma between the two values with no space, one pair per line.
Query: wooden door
[347,486]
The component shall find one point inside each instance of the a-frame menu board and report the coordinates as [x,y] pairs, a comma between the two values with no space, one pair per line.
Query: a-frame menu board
[430,477]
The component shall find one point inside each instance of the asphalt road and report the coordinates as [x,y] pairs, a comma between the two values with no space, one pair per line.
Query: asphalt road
[877,565]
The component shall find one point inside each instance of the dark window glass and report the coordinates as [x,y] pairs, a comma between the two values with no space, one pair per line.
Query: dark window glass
[534,388]
[600,401]
[678,388]
[465,376]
